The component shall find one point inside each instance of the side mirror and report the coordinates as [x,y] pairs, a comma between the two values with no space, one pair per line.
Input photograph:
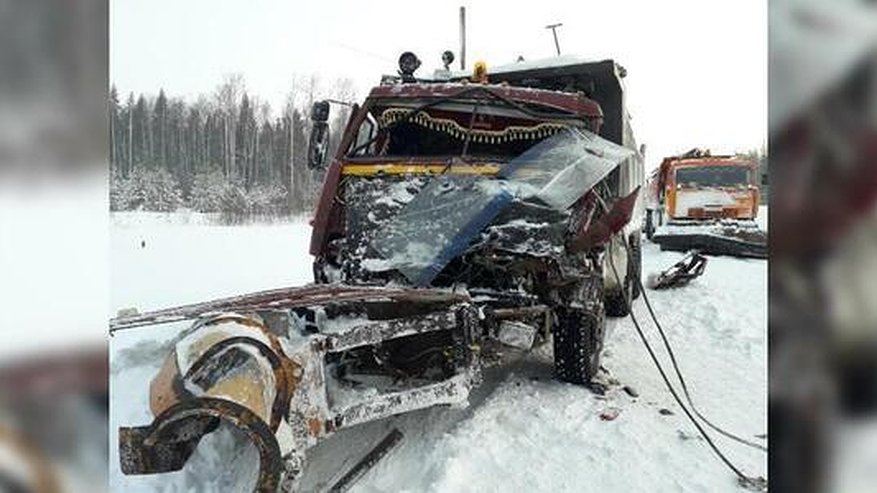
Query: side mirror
[319,139]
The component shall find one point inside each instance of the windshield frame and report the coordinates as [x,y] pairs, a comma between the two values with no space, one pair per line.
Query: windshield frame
[476,102]
[743,168]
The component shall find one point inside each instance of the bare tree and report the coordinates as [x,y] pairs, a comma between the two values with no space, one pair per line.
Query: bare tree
[227,96]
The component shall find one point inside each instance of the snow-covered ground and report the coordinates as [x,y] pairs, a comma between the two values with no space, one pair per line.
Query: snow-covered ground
[159,260]
[53,266]
[523,431]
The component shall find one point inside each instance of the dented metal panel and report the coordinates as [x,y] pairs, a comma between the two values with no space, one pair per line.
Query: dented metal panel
[235,369]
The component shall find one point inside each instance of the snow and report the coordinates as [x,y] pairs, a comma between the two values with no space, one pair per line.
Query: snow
[159,260]
[398,194]
[523,431]
[708,228]
[53,265]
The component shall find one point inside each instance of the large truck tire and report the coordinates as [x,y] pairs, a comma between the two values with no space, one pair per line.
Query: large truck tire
[616,304]
[578,334]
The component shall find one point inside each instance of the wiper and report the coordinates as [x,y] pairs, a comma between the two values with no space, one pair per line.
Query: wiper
[468,132]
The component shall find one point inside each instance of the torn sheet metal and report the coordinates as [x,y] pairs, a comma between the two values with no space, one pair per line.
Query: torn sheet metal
[167,443]
[528,228]
[607,226]
[438,225]
[681,273]
[273,385]
[286,298]
[561,169]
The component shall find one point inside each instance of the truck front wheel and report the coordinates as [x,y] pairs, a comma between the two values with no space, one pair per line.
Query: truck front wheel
[578,334]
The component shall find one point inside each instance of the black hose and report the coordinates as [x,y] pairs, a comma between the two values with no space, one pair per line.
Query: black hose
[682,379]
[673,355]
[744,480]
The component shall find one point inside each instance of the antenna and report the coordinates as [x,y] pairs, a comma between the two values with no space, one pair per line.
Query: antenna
[462,38]
[553,28]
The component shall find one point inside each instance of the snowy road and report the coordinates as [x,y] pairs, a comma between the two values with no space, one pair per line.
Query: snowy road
[523,431]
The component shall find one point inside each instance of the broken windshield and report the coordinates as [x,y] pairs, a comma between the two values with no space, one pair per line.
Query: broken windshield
[561,169]
[450,212]
[712,176]
[437,225]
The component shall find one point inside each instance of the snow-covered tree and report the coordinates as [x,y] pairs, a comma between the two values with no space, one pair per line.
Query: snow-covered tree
[226,139]
[121,192]
[268,200]
[207,190]
[145,189]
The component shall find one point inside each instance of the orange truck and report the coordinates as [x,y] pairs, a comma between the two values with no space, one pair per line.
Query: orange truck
[705,202]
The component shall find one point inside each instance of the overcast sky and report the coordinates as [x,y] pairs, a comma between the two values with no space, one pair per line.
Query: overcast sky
[697,69]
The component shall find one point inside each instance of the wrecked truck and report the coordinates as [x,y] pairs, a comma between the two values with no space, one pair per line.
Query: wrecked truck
[458,220]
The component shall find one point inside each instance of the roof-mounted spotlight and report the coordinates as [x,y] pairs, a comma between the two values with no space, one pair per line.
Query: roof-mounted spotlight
[408,63]
[447,59]
[479,73]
